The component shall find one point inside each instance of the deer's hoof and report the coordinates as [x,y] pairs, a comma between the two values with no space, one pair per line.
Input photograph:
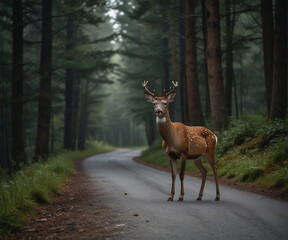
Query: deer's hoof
[217,199]
[180,199]
[198,199]
[170,199]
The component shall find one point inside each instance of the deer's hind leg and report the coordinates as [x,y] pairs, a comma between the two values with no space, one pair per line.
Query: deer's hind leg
[203,171]
[211,161]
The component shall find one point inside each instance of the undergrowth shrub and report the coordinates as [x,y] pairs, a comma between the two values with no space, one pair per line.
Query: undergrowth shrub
[271,133]
[282,178]
[155,154]
[239,131]
[251,174]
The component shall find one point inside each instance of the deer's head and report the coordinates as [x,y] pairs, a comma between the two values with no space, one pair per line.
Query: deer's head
[160,103]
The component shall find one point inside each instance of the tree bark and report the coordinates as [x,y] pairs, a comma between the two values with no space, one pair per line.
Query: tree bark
[149,129]
[193,95]
[45,101]
[17,144]
[75,115]
[214,66]
[165,57]
[182,71]
[83,119]
[229,58]
[207,99]
[68,89]
[268,47]
[165,64]
[279,90]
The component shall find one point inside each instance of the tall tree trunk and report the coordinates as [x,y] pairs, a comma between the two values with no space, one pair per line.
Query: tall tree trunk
[165,61]
[174,51]
[214,66]
[182,71]
[68,89]
[83,119]
[165,57]
[52,133]
[268,47]
[241,82]
[279,90]
[150,130]
[5,123]
[207,98]
[193,95]
[235,97]
[174,58]
[18,151]
[229,58]
[45,102]
[75,115]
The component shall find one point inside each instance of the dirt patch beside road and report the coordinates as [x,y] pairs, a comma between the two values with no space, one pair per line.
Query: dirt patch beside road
[80,211]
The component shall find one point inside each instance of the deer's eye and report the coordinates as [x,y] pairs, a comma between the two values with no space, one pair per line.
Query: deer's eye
[165,104]
[154,104]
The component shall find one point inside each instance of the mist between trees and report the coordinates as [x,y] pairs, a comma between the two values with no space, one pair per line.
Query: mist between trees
[71,70]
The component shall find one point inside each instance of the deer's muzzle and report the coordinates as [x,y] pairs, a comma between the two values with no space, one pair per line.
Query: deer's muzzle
[158,111]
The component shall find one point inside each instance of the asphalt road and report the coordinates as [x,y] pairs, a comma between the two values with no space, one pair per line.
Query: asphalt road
[238,215]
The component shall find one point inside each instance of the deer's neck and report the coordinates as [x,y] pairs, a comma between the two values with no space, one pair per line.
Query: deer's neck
[165,128]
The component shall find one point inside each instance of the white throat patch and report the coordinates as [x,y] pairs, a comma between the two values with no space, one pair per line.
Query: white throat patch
[160,120]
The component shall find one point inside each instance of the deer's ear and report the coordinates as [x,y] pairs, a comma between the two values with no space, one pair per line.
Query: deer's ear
[148,97]
[171,97]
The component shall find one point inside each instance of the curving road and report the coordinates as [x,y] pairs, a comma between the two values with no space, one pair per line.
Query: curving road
[137,188]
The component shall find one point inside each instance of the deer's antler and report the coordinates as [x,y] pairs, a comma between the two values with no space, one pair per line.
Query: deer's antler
[172,90]
[146,89]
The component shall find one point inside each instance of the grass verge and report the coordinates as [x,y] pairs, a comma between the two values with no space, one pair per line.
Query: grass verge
[251,150]
[34,185]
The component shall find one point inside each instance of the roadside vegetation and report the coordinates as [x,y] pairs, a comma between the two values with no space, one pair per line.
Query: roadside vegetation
[34,185]
[251,150]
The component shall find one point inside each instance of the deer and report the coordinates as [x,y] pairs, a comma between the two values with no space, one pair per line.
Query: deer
[183,142]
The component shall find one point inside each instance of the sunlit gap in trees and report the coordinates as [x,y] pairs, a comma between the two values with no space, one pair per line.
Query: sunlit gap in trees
[113,14]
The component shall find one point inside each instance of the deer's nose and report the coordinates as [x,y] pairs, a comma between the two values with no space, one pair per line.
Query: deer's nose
[158,111]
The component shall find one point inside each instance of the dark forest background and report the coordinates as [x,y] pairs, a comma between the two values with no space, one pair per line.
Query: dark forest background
[71,70]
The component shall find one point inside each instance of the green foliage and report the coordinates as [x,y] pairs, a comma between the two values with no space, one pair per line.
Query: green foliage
[251,174]
[35,184]
[239,131]
[155,154]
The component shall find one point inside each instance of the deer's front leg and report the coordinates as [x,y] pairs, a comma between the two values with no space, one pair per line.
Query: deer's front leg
[173,163]
[181,175]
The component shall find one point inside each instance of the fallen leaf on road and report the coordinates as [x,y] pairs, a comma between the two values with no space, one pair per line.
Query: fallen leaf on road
[97,212]
[135,214]
[120,225]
